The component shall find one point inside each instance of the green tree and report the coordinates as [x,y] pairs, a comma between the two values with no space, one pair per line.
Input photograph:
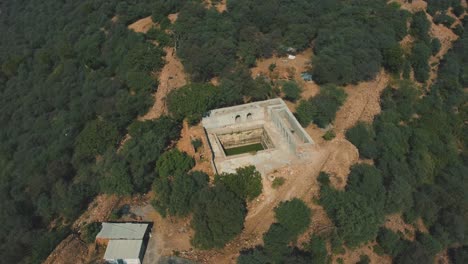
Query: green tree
[95,138]
[318,248]
[90,231]
[173,162]
[276,241]
[435,46]
[420,26]
[389,241]
[393,58]
[322,108]
[246,183]
[218,217]
[291,91]
[357,212]
[362,135]
[294,215]
[114,176]
[419,59]
[173,186]
[148,141]
[181,102]
[184,188]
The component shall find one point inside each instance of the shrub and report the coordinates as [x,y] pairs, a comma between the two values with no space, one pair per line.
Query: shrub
[272,67]
[90,231]
[329,135]
[277,182]
[323,178]
[363,259]
[196,143]
[291,91]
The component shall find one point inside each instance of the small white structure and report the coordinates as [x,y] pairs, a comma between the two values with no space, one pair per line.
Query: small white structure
[124,242]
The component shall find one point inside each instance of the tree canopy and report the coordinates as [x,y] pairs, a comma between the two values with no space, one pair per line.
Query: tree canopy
[246,183]
[218,217]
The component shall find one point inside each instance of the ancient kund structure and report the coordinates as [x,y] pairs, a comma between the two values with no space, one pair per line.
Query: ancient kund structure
[264,134]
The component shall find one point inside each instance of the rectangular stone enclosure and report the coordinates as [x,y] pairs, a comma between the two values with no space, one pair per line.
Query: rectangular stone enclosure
[264,134]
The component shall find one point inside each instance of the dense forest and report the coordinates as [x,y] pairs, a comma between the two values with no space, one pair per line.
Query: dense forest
[73,79]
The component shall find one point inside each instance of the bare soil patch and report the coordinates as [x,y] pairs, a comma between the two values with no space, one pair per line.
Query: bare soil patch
[396,223]
[142,25]
[362,103]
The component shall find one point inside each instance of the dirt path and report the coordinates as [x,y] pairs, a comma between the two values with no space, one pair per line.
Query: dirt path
[172,76]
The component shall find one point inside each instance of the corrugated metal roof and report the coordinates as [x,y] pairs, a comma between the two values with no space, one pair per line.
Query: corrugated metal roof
[123,249]
[122,231]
